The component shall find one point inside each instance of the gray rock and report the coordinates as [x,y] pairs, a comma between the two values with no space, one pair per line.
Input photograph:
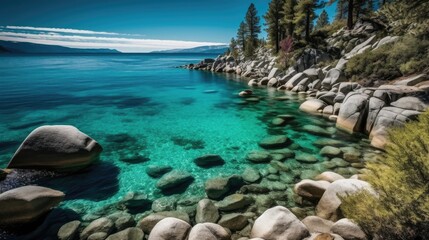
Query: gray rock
[316,224]
[98,236]
[58,147]
[274,73]
[173,179]
[358,49]
[348,230]
[313,106]
[209,160]
[385,40]
[164,204]
[306,158]
[333,76]
[329,205]
[206,212]
[330,151]
[157,171]
[131,233]
[69,231]
[148,223]
[316,130]
[170,229]
[208,231]
[311,189]
[259,156]
[295,80]
[328,98]
[413,80]
[251,175]
[410,103]
[322,142]
[217,188]
[135,200]
[233,221]
[329,177]
[273,142]
[279,223]
[101,225]
[352,114]
[125,222]
[234,202]
[27,204]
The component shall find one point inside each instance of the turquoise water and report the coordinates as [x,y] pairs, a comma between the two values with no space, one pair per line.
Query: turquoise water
[140,105]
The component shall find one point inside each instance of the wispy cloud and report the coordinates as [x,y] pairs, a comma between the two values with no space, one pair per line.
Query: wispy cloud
[59,30]
[91,39]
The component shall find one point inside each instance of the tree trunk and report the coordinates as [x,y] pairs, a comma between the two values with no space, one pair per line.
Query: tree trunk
[350,15]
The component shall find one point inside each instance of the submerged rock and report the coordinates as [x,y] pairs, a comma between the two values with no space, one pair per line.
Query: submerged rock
[27,204]
[233,221]
[251,175]
[259,156]
[273,142]
[149,222]
[157,171]
[209,160]
[57,147]
[279,223]
[173,179]
[234,202]
[218,187]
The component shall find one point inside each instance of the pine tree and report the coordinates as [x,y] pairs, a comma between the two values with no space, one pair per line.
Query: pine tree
[288,16]
[305,15]
[242,35]
[274,28]
[323,20]
[233,48]
[252,21]
[341,11]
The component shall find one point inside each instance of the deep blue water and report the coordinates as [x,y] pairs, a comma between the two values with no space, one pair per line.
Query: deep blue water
[141,105]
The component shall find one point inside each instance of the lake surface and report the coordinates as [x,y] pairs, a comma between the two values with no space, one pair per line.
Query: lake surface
[141,106]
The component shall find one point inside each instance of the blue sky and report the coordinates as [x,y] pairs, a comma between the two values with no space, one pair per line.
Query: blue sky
[185,23]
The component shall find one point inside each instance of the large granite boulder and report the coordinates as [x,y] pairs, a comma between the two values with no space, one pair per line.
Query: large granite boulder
[170,229]
[311,57]
[329,205]
[295,80]
[311,189]
[57,147]
[208,231]
[278,223]
[27,204]
[149,222]
[352,115]
[313,106]
[386,118]
[348,230]
[333,76]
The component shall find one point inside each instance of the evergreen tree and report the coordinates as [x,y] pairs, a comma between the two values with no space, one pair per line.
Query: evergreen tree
[341,11]
[252,21]
[233,48]
[323,20]
[274,28]
[305,15]
[288,16]
[242,35]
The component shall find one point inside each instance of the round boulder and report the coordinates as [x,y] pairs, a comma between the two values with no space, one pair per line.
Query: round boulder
[173,179]
[58,147]
[279,223]
[208,231]
[27,204]
[311,189]
[131,233]
[170,229]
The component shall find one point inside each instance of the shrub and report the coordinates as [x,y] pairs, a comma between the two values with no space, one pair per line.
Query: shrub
[407,56]
[401,180]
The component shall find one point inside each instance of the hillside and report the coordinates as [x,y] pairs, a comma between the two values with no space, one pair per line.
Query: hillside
[32,48]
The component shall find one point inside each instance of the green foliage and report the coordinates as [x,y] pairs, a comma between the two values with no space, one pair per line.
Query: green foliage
[242,35]
[304,16]
[322,20]
[288,16]
[249,53]
[252,21]
[407,56]
[233,48]
[400,209]
[274,28]
[334,26]
[406,17]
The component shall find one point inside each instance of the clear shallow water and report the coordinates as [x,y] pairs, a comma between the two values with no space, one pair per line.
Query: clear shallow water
[141,105]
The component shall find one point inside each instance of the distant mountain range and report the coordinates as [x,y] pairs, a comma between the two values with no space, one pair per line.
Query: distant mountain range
[23,47]
[204,49]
